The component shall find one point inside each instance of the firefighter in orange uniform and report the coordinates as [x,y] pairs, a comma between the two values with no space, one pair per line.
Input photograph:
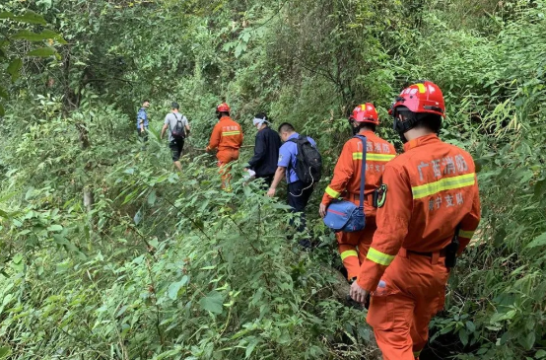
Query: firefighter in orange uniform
[429,210]
[227,136]
[353,247]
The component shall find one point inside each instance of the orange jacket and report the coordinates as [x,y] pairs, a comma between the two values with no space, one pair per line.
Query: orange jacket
[226,135]
[431,189]
[346,180]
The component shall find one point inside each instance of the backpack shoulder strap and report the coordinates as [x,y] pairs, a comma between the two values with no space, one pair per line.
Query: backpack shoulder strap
[363,168]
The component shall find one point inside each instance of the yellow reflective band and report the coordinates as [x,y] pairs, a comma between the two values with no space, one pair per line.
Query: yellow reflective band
[332,192]
[346,254]
[451,183]
[379,157]
[374,157]
[466,234]
[422,88]
[230,133]
[380,258]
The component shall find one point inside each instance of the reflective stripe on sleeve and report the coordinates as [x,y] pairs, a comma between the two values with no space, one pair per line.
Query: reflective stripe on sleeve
[348,253]
[332,192]
[466,234]
[451,183]
[380,258]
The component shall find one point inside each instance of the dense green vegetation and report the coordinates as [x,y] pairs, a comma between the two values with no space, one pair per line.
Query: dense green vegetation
[166,266]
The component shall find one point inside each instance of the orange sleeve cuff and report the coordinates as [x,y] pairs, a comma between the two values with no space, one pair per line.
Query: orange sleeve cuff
[326,199]
[463,243]
[370,275]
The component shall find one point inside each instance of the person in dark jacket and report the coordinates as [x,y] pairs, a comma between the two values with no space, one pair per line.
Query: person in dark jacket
[266,150]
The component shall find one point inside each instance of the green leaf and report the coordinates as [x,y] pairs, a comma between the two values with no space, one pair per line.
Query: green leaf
[4,352]
[14,68]
[2,111]
[42,52]
[250,347]
[122,311]
[3,93]
[541,354]
[30,17]
[212,302]
[152,198]
[470,326]
[528,341]
[55,228]
[176,286]
[32,36]
[6,15]
[538,241]
[463,335]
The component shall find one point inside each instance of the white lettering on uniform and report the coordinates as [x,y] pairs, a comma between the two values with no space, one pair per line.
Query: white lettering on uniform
[449,165]
[420,167]
[386,148]
[449,201]
[436,168]
[461,163]
[459,198]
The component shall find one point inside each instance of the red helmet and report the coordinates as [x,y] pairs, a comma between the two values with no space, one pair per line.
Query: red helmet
[365,113]
[223,108]
[424,97]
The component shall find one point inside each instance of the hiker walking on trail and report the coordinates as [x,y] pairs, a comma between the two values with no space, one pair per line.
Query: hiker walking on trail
[266,150]
[143,121]
[300,162]
[227,136]
[428,213]
[179,129]
[346,182]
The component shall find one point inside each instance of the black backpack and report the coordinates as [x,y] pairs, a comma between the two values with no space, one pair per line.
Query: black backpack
[179,131]
[308,161]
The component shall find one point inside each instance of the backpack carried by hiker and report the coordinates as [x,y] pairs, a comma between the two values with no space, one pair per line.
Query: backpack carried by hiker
[308,161]
[179,130]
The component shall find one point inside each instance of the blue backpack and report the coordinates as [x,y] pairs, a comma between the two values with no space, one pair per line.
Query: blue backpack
[343,215]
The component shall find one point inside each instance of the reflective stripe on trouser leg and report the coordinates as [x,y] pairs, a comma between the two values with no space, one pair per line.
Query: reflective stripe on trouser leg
[349,256]
[225,157]
[400,317]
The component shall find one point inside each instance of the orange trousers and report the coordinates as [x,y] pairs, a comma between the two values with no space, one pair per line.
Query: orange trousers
[411,292]
[353,248]
[225,157]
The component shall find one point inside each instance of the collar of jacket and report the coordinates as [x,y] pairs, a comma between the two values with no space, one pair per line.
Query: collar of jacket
[420,141]
[366,133]
[225,118]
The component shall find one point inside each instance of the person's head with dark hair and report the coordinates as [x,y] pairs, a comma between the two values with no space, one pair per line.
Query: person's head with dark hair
[418,111]
[146,103]
[286,130]
[261,121]
[174,106]
[423,121]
